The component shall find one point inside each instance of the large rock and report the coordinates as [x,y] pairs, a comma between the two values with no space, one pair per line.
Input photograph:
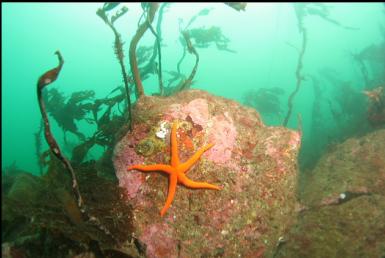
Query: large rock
[344,203]
[255,165]
[353,168]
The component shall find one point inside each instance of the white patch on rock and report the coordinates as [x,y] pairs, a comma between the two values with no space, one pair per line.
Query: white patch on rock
[162,131]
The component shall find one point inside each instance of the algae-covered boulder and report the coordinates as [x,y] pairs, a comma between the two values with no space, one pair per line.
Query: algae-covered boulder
[354,167]
[254,165]
[344,197]
[354,229]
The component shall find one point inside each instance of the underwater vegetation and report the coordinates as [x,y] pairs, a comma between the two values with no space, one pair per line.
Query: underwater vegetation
[281,192]
[265,100]
[239,6]
[66,112]
[348,107]
[203,37]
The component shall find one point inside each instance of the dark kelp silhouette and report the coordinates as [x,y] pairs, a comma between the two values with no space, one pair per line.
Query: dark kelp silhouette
[302,10]
[371,62]
[191,39]
[239,6]
[65,112]
[107,126]
[204,37]
[265,100]
[185,84]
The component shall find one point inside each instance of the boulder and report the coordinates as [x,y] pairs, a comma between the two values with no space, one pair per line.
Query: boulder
[343,212]
[255,166]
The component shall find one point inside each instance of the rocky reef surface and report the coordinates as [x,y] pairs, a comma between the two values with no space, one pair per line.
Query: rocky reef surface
[254,165]
[343,212]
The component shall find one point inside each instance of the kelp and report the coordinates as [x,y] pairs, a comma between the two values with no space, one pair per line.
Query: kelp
[203,12]
[43,220]
[38,146]
[185,84]
[204,37]
[298,75]
[302,10]
[65,112]
[371,58]
[149,12]
[44,80]
[157,47]
[146,55]
[265,100]
[107,125]
[318,9]
[238,6]
[118,47]
[318,135]
[346,107]
[54,174]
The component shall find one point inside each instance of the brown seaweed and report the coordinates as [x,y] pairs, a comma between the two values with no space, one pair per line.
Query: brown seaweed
[44,80]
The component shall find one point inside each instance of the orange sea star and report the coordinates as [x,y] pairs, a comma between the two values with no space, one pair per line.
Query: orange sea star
[177,170]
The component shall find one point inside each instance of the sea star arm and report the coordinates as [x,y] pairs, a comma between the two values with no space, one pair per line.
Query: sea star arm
[174,146]
[192,184]
[155,167]
[171,192]
[194,158]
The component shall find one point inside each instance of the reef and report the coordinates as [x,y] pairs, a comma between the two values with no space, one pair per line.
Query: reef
[254,165]
[343,203]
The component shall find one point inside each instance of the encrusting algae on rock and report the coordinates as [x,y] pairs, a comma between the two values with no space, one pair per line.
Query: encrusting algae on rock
[177,170]
[255,166]
[343,203]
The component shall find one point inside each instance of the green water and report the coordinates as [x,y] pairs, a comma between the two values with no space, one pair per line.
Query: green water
[265,37]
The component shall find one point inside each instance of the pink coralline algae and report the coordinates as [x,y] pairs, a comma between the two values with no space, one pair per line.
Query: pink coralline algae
[159,241]
[223,133]
[197,109]
[220,128]
[124,154]
[257,201]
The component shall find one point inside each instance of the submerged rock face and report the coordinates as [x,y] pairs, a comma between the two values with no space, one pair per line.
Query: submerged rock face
[255,166]
[344,197]
[355,167]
